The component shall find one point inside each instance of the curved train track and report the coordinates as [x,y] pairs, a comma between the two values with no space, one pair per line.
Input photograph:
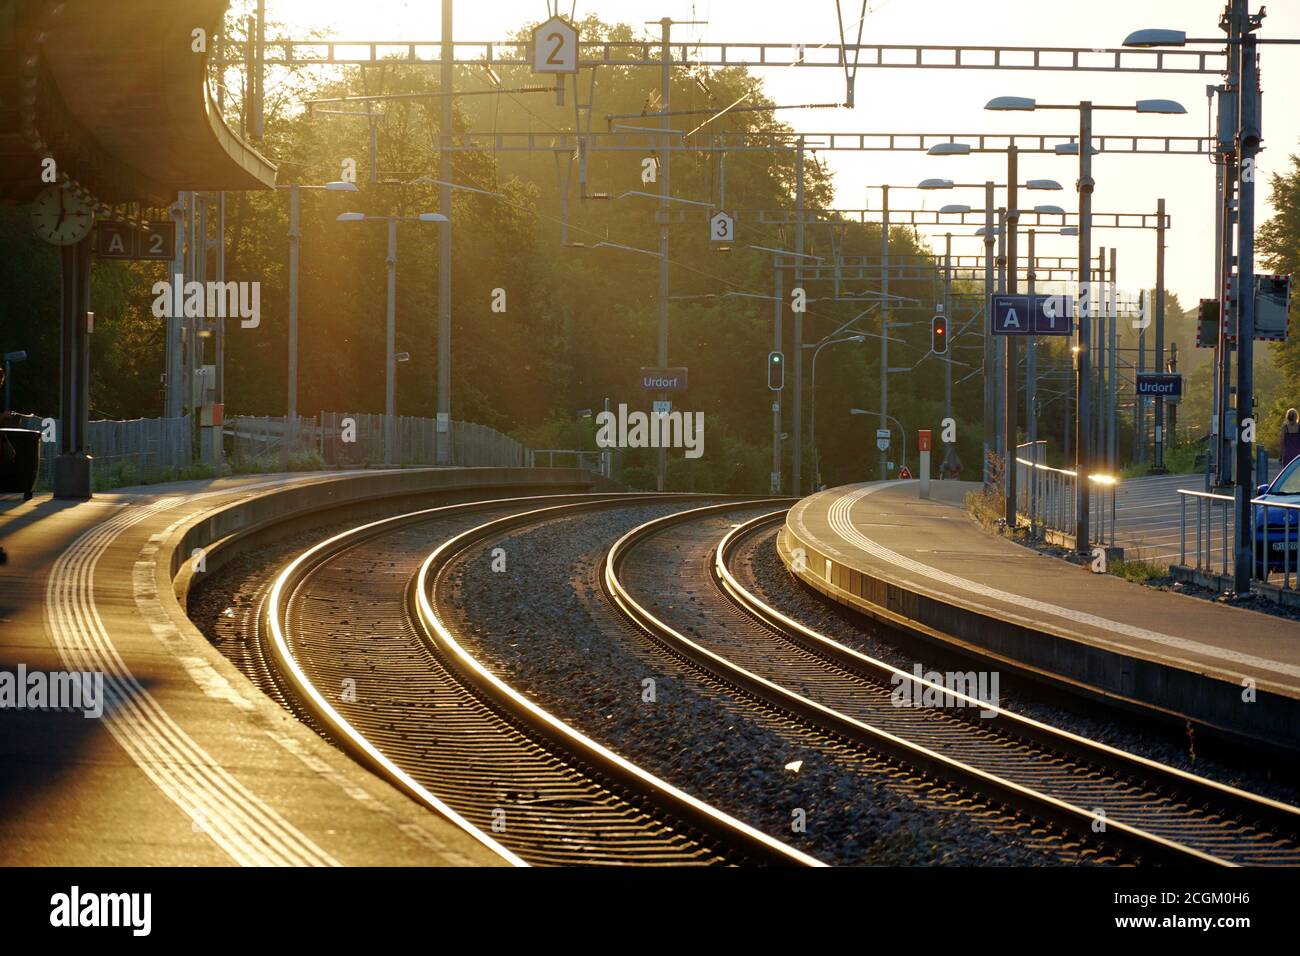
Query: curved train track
[354,636]
[1106,797]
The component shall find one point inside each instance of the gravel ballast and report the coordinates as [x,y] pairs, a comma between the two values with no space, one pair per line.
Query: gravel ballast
[544,626]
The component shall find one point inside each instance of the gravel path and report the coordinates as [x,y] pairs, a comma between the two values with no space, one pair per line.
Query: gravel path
[545,627]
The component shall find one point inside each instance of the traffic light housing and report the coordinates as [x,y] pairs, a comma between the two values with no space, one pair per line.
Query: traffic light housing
[775,371]
[939,335]
[1207,324]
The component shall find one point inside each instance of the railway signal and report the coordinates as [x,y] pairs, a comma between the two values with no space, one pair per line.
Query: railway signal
[775,371]
[939,335]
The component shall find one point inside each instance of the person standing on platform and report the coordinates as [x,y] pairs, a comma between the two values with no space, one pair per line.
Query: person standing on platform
[1290,444]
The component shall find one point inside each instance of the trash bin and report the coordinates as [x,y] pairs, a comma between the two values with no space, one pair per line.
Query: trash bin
[20,459]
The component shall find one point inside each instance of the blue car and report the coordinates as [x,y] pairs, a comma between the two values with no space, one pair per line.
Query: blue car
[1277,530]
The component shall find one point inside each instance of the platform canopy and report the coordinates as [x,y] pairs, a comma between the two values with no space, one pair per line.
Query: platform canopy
[114,92]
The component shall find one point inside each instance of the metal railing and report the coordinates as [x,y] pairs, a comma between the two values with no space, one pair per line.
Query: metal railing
[1215,537]
[601,462]
[1207,504]
[357,439]
[1048,497]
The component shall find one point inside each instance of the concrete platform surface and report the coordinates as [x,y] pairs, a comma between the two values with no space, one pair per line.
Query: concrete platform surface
[928,562]
[190,764]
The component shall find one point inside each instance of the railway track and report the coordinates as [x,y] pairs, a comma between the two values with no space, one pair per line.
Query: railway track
[1105,796]
[351,632]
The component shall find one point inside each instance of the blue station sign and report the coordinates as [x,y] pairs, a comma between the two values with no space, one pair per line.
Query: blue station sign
[1160,384]
[1033,315]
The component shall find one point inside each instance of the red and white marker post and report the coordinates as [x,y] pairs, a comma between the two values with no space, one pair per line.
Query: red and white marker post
[923,471]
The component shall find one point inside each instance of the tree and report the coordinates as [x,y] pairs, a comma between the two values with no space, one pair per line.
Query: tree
[1278,246]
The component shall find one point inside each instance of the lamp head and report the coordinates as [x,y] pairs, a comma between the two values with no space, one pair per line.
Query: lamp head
[949,149]
[1007,103]
[1155,37]
[935,184]
[350,217]
[338,186]
[1169,107]
[1042,184]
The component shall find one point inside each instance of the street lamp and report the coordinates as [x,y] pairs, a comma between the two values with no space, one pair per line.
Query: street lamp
[812,412]
[1243,78]
[1085,150]
[11,358]
[902,430]
[291,409]
[390,359]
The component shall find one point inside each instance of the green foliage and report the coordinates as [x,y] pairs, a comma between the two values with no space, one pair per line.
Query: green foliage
[128,474]
[1138,571]
[268,464]
[1278,246]
[579,321]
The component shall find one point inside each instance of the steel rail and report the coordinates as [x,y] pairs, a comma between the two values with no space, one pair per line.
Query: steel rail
[1024,799]
[1240,803]
[679,804]
[315,703]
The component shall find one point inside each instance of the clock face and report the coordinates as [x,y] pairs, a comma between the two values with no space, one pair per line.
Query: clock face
[61,217]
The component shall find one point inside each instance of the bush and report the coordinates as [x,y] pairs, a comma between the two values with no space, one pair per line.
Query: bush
[1138,570]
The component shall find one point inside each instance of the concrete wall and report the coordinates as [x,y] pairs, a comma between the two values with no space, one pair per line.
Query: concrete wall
[1180,695]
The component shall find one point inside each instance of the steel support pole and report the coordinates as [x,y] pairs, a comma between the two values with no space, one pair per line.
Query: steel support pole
[1099,362]
[1228,129]
[173,399]
[777,315]
[1031,359]
[259,76]
[1010,392]
[1216,407]
[295,235]
[390,351]
[1112,369]
[191,322]
[1139,401]
[665,162]
[442,429]
[1158,449]
[999,353]
[1083,398]
[221,277]
[947,358]
[1248,138]
[990,409]
[796,482]
[884,326]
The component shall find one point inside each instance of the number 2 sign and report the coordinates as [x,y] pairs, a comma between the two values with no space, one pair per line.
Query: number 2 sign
[555,47]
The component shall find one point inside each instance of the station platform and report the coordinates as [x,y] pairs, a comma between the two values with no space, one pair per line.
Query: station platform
[190,764]
[927,567]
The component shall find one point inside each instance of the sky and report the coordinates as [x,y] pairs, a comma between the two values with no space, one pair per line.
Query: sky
[948,101]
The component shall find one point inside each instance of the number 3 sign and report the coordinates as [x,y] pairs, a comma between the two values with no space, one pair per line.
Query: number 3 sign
[555,47]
